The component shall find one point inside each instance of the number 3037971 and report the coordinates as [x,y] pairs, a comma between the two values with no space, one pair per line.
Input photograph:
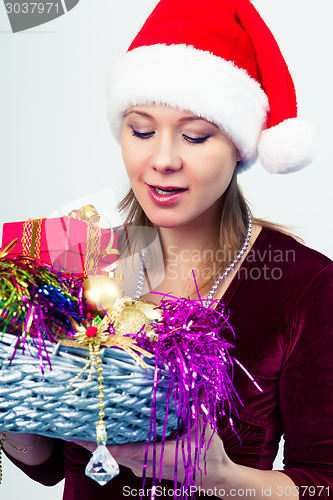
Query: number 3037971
[301,491]
[32,7]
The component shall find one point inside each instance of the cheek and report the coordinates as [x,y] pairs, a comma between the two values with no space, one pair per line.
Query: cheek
[217,170]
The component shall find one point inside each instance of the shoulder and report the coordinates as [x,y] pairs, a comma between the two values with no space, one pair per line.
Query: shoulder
[297,262]
[282,240]
[279,272]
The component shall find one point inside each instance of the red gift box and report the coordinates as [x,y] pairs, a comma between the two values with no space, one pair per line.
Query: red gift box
[66,243]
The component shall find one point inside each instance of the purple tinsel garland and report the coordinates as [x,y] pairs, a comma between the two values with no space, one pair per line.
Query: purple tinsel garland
[190,342]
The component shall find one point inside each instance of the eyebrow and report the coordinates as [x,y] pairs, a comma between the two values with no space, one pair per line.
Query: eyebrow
[182,120]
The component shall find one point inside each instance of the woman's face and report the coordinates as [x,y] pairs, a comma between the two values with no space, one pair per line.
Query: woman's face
[179,165]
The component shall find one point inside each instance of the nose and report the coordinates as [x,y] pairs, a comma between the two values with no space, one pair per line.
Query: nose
[166,157]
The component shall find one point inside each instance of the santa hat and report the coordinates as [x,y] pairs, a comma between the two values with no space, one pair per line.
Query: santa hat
[219,60]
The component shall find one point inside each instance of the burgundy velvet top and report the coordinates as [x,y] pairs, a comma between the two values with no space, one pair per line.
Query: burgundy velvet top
[281,308]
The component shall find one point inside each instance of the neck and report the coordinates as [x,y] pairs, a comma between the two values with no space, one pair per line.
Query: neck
[190,240]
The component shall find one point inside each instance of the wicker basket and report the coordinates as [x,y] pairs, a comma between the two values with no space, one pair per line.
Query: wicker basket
[42,404]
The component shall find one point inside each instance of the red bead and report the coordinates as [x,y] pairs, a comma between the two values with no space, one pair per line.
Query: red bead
[91,331]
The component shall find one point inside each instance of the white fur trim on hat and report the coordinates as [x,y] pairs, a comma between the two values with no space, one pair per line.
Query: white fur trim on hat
[287,147]
[193,80]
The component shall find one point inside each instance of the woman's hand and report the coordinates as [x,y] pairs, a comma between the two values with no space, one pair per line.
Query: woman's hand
[132,455]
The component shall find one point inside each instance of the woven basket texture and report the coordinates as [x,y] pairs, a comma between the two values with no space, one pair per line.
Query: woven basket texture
[42,404]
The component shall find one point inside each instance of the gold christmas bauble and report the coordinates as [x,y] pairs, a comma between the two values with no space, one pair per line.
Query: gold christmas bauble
[131,320]
[152,311]
[100,292]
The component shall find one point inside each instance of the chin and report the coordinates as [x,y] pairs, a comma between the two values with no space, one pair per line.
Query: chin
[163,223]
[166,221]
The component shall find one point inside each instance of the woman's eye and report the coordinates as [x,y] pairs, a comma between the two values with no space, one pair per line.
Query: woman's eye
[142,135]
[196,140]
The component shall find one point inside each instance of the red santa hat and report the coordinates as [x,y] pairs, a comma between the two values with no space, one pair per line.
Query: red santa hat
[219,60]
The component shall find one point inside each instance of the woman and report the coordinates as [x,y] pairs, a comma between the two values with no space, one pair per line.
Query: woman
[202,91]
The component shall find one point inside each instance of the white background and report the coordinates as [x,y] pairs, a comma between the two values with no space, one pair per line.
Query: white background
[57,152]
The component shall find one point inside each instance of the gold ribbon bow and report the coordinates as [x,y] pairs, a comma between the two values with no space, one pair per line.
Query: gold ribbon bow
[97,335]
[89,214]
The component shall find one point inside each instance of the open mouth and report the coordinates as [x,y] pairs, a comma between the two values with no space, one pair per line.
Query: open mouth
[168,190]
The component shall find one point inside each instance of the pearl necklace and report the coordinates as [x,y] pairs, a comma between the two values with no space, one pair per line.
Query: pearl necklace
[210,295]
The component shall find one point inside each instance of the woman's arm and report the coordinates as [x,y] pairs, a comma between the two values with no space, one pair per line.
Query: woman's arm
[39,457]
[224,478]
[306,399]
[29,449]
[306,391]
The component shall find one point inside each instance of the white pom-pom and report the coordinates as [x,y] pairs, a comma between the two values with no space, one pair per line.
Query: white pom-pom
[287,147]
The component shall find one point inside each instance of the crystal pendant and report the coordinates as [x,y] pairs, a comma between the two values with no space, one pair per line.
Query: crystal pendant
[102,467]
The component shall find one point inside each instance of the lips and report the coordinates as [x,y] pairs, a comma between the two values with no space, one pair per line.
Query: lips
[166,195]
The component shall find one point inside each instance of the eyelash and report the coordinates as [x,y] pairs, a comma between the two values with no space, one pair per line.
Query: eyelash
[191,140]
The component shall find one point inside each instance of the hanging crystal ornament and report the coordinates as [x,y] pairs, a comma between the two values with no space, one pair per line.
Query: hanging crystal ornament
[102,467]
